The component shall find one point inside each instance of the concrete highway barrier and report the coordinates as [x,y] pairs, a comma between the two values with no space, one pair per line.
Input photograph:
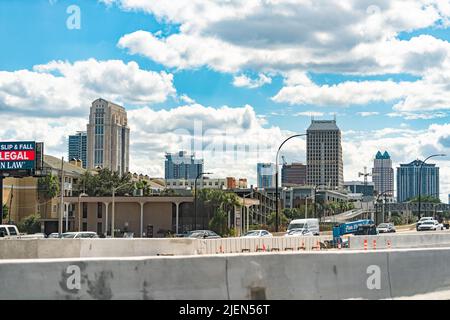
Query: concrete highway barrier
[382,274]
[76,248]
[389,241]
[119,247]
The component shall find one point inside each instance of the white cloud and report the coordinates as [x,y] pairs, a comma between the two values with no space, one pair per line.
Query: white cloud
[421,96]
[52,131]
[415,116]
[244,81]
[342,94]
[230,139]
[185,98]
[310,114]
[63,88]
[323,36]
[368,113]
[292,37]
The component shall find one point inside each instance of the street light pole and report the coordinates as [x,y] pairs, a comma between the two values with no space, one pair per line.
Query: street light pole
[277,196]
[195,197]
[79,209]
[113,204]
[376,203]
[306,207]
[246,210]
[112,211]
[420,178]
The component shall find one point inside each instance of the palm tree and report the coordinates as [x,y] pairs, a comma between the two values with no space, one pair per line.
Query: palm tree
[48,188]
[222,203]
[5,211]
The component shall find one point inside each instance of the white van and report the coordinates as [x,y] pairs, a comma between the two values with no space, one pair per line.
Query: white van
[307,224]
[9,231]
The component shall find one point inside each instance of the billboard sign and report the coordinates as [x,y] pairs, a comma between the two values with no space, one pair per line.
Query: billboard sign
[17,156]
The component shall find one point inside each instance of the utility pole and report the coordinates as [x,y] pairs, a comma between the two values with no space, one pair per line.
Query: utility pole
[366,174]
[10,204]
[61,203]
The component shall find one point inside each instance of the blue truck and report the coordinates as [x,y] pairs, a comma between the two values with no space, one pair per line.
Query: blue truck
[359,227]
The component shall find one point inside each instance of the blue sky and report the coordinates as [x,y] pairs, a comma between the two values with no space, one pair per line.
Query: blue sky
[34,32]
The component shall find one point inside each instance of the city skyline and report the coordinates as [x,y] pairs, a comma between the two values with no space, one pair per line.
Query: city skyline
[384,81]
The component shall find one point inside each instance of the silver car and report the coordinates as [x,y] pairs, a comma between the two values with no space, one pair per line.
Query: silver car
[386,228]
[79,235]
[257,234]
[430,225]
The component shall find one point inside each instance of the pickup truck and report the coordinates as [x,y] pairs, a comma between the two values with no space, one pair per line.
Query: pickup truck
[9,231]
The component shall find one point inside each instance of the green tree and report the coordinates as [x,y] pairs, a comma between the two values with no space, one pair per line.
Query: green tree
[283,221]
[101,184]
[48,188]
[144,186]
[30,224]
[5,211]
[222,203]
[293,213]
[426,199]
[87,184]
[218,223]
[168,193]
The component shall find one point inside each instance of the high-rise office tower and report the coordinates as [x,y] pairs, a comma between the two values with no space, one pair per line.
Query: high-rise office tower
[408,180]
[108,137]
[266,175]
[182,166]
[293,174]
[383,174]
[77,147]
[324,154]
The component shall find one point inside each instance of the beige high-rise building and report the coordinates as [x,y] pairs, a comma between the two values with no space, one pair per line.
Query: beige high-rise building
[108,137]
[324,154]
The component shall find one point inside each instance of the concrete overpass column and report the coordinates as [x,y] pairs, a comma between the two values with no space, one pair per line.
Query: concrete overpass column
[177,211]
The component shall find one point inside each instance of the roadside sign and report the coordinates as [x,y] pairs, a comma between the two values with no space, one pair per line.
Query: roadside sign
[17,156]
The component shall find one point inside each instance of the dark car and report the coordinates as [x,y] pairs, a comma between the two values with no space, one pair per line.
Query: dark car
[202,234]
[366,230]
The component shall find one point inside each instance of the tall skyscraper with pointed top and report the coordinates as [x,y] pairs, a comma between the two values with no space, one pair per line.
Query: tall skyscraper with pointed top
[383,174]
[324,154]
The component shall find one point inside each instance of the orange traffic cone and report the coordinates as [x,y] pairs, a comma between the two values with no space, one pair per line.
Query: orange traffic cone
[365,244]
